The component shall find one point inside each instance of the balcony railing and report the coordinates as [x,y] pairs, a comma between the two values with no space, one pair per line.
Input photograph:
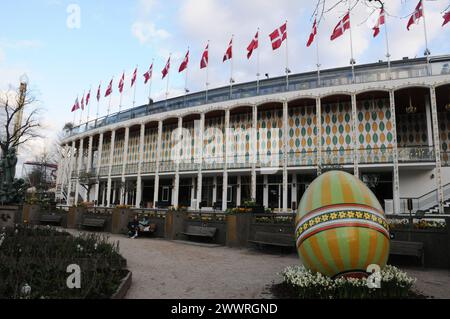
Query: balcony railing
[376,156]
[337,157]
[413,68]
[302,159]
[416,154]
[148,168]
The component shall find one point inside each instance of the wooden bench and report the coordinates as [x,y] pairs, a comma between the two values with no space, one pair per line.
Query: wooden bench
[149,229]
[273,239]
[408,248]
[50,219]
[200,231]
[94,223]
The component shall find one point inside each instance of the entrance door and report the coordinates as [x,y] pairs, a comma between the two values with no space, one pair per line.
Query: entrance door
[275,199]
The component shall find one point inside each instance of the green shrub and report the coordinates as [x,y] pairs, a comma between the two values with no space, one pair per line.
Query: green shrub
[38,258]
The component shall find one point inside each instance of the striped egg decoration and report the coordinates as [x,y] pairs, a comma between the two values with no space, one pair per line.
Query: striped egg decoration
[340,227]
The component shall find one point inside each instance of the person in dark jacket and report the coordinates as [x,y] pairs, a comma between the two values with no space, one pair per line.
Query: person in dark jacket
[133,227]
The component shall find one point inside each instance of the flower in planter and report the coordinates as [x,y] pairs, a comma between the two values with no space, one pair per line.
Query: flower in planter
[25,290]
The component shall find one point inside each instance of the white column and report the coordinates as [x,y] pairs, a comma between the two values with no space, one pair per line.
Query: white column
[355,137]
[158,151]
[111,159]
[192,193]
[71,164]
[395,177]
[437,148]
[124,164]
[239,190]
[200,172]
[99,163]
[285,156]
[254,151]
[225,166]
[266,192]
[141,158]
[319,134]
[80,166]
[429,122]
[176,186]
[214,195]
[89,163]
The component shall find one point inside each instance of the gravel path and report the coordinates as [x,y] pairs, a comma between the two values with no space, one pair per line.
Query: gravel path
[167,269]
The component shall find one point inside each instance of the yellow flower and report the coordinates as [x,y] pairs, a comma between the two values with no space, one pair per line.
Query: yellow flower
[342,215]
[351,214]
[359,215]
[366,216]
[325,218]
[334,215]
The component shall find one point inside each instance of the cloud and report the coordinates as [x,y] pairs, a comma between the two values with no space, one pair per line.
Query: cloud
[2,56]
[21,44]
[147,32]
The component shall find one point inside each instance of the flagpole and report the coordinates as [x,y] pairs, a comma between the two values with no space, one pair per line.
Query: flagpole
[88,105]
[135,85]
[257,67]
[110,99]
[317,54]
[352,60]
[82,108]
[98,102]
[231,68]
[388,55]
[168,77]
[427,51]
[150,83]
[75,114]
[186,80]
[287,60]
[121,93]
[207,75]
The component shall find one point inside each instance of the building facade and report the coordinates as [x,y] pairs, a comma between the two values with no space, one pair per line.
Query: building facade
[388,126]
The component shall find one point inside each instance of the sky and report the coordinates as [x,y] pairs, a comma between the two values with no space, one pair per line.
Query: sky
[68,47]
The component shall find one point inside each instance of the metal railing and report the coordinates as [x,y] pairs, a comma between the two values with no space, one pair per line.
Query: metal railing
[424,202]
[416,154]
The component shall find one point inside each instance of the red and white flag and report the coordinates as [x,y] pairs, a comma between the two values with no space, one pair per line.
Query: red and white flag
[133,78]
[166,69]
[122,83]
[278,36]
[229,53]
[313,34]
[417,14]
[76,106]
[99,93]
[446,18]
[82,103]
[109,89]
[380,22]
[253,45]
[88,97]
[148,75]
[205,58]
[343,25]
[185,63]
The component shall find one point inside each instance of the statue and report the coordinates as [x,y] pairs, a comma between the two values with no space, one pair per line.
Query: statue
[11,190]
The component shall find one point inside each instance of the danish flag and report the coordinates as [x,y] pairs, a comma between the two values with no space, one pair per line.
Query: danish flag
[109,89]
[122,83]
[417,14]
[205,58]
[99,93]
[185,63]
[313,34]
[278,36]
[82,103]
[148,74]
[229,53]
[380,22]
[253,45]
[343,25]
[88,97]
[76,106]
[166,69]
[133,79]
[446,18]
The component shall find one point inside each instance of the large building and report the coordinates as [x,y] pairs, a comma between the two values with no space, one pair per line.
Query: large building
[267,142]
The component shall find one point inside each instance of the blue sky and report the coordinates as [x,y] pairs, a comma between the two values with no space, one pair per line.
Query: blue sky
[117,35]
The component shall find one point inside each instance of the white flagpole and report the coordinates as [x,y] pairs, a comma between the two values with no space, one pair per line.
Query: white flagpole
[207,75]
[98,102]
[75,113]
[388,54]
[186,80]
[287,60]
[135,85]
[121,93]
[317,52]
[168,77]
[352,60]
[110,98]
[427,51]
[89,106]
[150,83]
[231,68]
[257,67]
[82,107]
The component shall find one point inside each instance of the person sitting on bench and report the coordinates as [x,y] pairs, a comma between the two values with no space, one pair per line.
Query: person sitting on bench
[133,227]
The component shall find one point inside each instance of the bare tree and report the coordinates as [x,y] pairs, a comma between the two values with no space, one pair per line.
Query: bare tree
[87,180]
[13,106]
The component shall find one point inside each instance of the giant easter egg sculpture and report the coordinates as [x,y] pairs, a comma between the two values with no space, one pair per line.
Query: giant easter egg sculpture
[340,227]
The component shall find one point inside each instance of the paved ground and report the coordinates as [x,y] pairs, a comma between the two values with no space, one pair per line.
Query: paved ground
[166,269]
